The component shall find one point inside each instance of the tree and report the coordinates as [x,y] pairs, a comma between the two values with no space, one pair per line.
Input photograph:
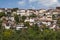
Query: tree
[1,29]
[2,14]
[49,34]
[57,35]
[14,9]
[16,17]
[27,24]
[35,27]
[58,22]
[33,15]
[0,24]
[7,34]
[23,18]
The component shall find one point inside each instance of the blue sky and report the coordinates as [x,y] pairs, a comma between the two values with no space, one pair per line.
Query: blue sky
[27,4]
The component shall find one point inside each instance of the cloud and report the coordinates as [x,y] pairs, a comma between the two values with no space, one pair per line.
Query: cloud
[21,3]
[32,7]
[33,1]
[49,2]
[46,3]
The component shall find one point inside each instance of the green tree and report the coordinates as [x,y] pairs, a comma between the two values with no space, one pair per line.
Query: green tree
[49,34]
[16,17]
[33,15]
[1,29]
[27,24]
[58,22]
[0,24]
[2,14]
[8,34]
[14,9]
[23,18]
[57,35]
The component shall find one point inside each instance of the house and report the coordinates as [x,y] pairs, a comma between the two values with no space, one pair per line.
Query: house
[31,23]
[30,12]
[32,20]
[53,27]
[20,26]
[55,14]
[42,18]
[6,25]
[36,12]
[49,17]
[13,13]
[47,23]
[29,20]
[39,23]
[11,18]
[41,10]
[4,18]
[8,10]
[21,12]
[46,16]
[2,10]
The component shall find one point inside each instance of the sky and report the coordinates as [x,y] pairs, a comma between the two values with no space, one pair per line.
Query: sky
[29,4]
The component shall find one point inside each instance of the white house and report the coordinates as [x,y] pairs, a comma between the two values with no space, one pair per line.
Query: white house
[21,12]
[11,18]
[32,20]
[42,10]
[46,23]
[20,26]
[29,20]
[5,26]
[1,9]
[53,27]
[30,12]
[55,12]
